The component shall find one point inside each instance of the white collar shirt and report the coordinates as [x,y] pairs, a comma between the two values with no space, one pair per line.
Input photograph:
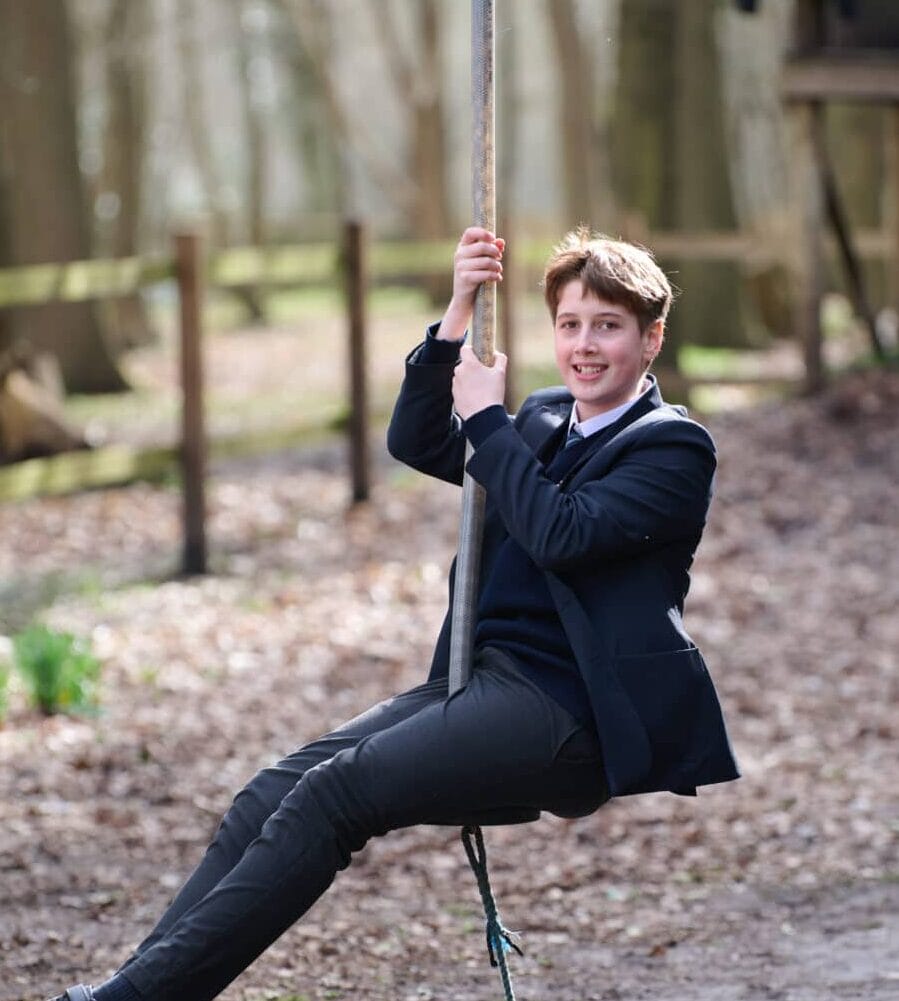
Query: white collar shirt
[604,420]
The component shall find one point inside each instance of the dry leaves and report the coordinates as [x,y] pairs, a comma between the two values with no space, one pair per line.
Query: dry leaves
[313,613]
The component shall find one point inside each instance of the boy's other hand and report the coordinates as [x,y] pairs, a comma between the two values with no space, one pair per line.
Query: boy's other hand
[475,386]
[478,259]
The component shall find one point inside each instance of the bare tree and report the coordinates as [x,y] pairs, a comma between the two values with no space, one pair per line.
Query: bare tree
[43,209]
[415,72]
[193,94]
[416,82]
[588,191]
[751,49]
[254,125]
[669,152]
[314,116]
[710,310]
[313,24]
[126,36]
[255,144]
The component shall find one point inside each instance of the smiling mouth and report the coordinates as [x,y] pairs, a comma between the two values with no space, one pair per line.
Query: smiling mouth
[589,369]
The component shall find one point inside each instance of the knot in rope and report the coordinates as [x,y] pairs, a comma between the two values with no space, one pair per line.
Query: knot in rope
[499,939]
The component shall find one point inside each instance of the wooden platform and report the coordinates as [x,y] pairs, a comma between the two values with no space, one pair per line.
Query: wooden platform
[870,76]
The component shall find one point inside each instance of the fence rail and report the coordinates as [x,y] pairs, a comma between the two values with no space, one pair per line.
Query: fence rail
[38,284]
[321,264]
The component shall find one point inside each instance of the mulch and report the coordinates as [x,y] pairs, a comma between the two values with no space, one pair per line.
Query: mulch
[782,885]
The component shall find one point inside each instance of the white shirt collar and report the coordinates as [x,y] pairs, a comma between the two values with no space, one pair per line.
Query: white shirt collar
[600,421]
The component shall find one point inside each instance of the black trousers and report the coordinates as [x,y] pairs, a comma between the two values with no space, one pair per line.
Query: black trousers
[498,744]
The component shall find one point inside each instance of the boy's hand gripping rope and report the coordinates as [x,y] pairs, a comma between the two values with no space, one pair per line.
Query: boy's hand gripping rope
[499,939]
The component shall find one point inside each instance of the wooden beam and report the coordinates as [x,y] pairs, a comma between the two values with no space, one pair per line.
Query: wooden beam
[868,78]
[74,471]
[79,281]
[118,465]
[312,263]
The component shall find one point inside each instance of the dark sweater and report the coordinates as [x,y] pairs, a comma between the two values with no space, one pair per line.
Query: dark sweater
[516,613]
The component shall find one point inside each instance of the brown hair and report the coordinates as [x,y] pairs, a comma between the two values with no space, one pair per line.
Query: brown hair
[620,272]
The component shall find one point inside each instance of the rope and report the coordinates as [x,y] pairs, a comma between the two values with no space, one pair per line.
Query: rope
[499,939]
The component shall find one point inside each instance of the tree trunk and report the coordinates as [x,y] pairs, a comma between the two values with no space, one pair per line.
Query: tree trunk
[588,195]
[315,119]
[431,217]
[126,38]
[314,27]
[709,310]
[670,157]
[643,127]
[751,49]
[43,211]
[418,86]
[256,150]
[194,98]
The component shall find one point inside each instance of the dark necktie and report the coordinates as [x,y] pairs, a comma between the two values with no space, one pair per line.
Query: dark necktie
[574,436]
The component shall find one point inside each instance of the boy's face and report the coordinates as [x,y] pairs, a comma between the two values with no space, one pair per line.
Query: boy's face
[600,351]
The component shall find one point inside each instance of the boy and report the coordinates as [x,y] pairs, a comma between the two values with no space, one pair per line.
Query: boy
[585,684]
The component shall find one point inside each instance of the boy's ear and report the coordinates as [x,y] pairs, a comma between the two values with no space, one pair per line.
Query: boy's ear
[653,337]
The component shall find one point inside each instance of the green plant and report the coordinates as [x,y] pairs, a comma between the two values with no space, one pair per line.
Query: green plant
[59,670]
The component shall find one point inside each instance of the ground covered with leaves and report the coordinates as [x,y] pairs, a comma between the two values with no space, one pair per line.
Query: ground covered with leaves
[784,885]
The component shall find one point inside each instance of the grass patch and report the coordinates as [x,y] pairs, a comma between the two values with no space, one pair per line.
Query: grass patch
[59,670]
[713,399]
[699,362]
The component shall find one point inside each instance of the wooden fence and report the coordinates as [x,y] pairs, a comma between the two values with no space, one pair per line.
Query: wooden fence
[313,264]
[352,264]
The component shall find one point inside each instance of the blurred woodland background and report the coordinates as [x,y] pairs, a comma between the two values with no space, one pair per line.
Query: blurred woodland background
[272,121]
[754,144]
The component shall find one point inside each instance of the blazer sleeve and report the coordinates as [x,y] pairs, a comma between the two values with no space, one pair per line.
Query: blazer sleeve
[657,491]
[424,432]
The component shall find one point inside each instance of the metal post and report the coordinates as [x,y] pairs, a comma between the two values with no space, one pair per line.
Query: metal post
[189,269]
[483,331]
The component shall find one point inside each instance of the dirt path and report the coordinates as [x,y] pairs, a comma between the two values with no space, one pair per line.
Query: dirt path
[781,886]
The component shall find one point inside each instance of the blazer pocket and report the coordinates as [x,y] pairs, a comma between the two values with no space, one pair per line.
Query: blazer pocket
[670,691]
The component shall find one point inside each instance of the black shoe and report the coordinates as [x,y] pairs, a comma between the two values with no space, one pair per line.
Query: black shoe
[80,992]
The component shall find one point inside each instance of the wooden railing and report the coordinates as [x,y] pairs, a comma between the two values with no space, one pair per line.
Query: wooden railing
[315,264]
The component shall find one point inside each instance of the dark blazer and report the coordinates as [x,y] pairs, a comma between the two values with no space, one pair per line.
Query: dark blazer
[615,540]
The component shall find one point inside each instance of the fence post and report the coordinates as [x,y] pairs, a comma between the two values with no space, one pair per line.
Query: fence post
[354,278]
[809,116]
[189,271]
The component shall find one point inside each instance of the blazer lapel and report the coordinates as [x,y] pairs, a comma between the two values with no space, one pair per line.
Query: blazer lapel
[650,400]
[544,430]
